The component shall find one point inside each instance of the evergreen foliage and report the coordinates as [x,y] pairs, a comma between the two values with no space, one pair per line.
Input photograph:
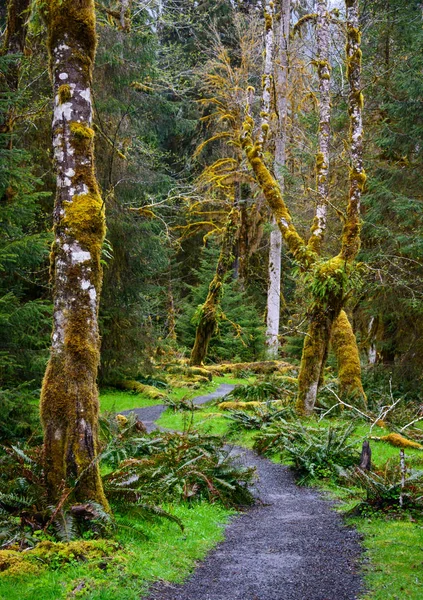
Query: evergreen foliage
[240,337]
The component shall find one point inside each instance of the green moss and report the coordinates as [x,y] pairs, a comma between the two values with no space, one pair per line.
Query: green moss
[57,554]
[64,93]
[74,20]
[268,21]
[208,314]
[81,137]
[345,347]
[84,219]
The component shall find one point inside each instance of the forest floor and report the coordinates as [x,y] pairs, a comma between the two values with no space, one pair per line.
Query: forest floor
[290,545]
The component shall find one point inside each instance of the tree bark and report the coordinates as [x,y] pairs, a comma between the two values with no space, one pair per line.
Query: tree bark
[280,70]
[69,397]
[209,312]
[322,157]
[334,271]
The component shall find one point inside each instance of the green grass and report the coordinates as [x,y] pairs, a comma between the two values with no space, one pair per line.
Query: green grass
[157,551]
[117,401]
[395,555]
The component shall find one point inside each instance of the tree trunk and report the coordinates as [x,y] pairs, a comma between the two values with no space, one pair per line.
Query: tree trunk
[69,397]
[313,359]
[345,347]
[322,157]
[280,70]
[330,276]
[208,317]
[274,292]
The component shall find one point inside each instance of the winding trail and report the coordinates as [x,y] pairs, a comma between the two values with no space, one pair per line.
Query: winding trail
[290,546]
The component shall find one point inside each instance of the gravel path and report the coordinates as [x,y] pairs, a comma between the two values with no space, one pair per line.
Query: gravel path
[150,414]
[289,546]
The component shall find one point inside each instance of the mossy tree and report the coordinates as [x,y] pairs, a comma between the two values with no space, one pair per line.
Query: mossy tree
[329,278]
[69,397]
[342,336]
[208,313]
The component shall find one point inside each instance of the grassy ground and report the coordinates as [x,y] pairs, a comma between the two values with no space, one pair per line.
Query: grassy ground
[116,401]
[148,551]
[393,565]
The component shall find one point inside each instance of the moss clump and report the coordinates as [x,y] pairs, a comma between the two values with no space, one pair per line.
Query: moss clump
[268,21]
[81,131]
[147,390]
[64,93]
[46,553]
[81,137]
[395,439]
[320,161]
[239,405]
[15,564]
[85,221]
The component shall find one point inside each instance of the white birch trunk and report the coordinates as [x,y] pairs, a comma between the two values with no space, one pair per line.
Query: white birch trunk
[280,71]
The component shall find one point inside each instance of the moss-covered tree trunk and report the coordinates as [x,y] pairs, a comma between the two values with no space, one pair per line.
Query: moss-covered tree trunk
[330,276]
[69,397]
[209,312]
[322,158]
[345,347]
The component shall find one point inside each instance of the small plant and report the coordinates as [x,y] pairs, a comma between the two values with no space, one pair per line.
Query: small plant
[259,418]
[183,404]
[315,453]
[120,436]
[256,392]
[384,491]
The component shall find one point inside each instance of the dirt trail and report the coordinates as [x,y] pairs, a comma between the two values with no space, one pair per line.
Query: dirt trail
[290,546]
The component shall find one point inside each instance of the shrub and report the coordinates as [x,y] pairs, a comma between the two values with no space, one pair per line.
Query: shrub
[315,453]
[174,466]
[383,489]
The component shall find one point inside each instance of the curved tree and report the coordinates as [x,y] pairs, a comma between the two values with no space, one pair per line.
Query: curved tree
[329,279]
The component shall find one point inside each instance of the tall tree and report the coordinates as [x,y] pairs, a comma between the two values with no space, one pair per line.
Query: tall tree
[69,397]
[329,278]
[280,74]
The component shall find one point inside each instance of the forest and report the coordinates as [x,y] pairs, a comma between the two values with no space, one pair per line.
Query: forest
[211,299]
